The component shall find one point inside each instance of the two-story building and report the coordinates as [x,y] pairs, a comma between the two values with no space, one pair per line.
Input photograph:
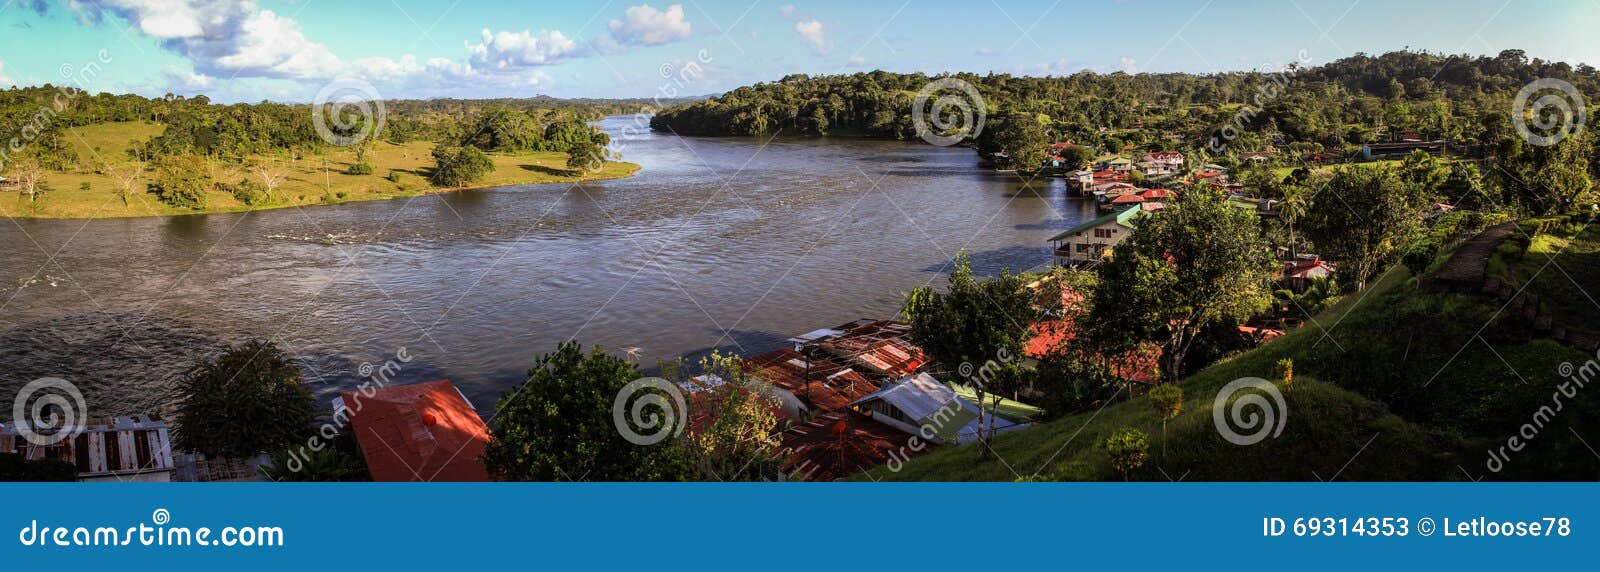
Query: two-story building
[1093,240]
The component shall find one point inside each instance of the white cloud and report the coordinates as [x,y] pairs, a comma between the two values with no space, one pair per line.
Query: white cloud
[1127,65]
[811,30]
[521,50]
[4,79]
[789,11]
[646,25]
[983,52]
[857,61]
[232,38]
[186,81]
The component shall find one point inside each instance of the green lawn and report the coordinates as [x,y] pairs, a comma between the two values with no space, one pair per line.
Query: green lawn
[1013,410]
[90,191]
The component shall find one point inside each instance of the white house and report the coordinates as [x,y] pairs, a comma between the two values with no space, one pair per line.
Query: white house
[1091,241]
[924,406]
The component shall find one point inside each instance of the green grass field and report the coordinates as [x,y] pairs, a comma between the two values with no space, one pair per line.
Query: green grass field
[91,190]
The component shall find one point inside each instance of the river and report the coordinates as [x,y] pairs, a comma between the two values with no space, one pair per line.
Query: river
[728,243]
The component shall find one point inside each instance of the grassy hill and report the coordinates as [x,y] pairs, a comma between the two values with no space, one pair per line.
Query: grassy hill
[1407,384]
[90,191]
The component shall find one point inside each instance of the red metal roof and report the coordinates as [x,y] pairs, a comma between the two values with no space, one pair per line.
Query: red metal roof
[420,432]
[878,347]
[833,384]
[1127,199]
[837,445]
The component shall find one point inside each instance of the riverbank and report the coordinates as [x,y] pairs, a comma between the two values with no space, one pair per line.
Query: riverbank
[91,191]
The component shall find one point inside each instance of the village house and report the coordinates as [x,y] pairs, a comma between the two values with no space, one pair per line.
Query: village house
[1373,151]
[1081,179]
[1298,273]
[839,444]
[1093,240]
[110,449]
[923,406]
[423,432]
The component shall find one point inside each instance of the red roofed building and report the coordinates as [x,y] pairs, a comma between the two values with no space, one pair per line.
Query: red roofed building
[421,432]
[831,385]
[1140,365]
[1127,200]
[837,445]
[1157,194]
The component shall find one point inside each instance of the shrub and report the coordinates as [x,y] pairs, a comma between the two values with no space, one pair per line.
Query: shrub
[1284,371]
[246,191]
[459,166]
[246,401]
[14,468]
[1128,448]
[393,176]
[182,181]
[359,169]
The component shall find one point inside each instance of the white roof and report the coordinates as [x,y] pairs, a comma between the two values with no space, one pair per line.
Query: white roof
[814,335]
[918,396]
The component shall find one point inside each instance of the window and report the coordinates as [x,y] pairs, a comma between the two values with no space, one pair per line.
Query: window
[1104,232]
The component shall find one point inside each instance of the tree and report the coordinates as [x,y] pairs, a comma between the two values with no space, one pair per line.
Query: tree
[125,178]
[182,181]
[1076,156]
[1198,262]
[1549,179]
[1127,448]
[585,155]
[271,178]
[734,425]
[504,129]
[459,166]
[1364,217]
[31,184]
[974,324]
[1167,400]
[247,401]
[558,425]
[1023,139]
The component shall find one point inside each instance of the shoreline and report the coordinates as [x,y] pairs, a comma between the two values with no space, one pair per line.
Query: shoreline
[630,169]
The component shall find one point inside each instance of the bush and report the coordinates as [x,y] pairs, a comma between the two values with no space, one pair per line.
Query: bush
[15,469]
[1128,448]
[558,425]
[459,166]
[246,191]
[360,169]
[246,401]
[393,176]
[182,181]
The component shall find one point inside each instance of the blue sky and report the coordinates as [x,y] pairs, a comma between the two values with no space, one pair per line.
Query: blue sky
[288,50]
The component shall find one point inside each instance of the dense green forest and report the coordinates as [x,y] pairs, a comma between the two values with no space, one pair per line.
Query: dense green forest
[1464,99]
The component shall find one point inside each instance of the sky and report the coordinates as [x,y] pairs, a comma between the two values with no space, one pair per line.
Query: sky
[292,50]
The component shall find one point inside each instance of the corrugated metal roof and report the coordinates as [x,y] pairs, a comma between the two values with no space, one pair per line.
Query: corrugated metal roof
[106,446]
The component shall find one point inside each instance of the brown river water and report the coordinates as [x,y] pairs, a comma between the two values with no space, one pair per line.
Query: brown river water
[726,243]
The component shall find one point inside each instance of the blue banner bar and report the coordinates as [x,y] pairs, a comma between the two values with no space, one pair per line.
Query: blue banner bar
[1246,526]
